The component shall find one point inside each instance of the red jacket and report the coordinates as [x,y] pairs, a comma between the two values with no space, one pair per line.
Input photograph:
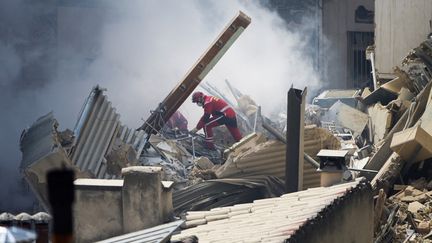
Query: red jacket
[215,107]
[177,120]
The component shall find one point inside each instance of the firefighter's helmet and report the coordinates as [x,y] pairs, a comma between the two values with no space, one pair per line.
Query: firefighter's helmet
[197,97]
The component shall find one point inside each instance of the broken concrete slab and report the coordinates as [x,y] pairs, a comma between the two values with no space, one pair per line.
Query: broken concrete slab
[381,121]
[414,207]
[381,95]
[412,144]
[328,97]
[405,94]
[121,155]
[401,82]
[423,227]
[203,163]
[348,117]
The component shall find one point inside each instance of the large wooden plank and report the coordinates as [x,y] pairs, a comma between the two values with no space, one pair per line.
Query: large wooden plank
[196,74]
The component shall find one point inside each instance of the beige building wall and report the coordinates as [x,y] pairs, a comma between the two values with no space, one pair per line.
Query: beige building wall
[401,25]
[338,17]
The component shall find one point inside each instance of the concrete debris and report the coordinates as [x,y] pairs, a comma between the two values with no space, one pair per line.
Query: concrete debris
[386,138]
[347,116]
[121,155]
[381,95]
[381,122]
[414,207]
[313,115]
[413,212]
[66,138]
[328,97]
[171,150]
[412,144]
[203,163]
[42,152]
[247,105]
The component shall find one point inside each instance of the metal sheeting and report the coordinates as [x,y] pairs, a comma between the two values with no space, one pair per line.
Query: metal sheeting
[94,132]
[96,129]
[226,192]
[160,233]
[39,140]
[268,158]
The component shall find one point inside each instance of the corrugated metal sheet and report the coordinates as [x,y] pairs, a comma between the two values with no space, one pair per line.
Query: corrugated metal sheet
[268,158]
[96,129]
[94,132]
[158,234]
[39,140]
[226,192]
[265,220]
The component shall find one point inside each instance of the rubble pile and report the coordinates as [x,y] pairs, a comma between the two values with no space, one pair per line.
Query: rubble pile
[384,135]
[407,215]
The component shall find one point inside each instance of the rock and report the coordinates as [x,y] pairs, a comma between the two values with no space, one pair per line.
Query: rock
[423,227]
[420,198]
[203,163]
[408,191]
[121,155]
[66,138]
[414,207]
[408,199]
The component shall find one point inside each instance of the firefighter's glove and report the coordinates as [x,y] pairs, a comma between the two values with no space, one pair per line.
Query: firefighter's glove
[193,131]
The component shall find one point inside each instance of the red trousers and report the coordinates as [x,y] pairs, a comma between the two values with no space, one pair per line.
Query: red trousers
[230,123]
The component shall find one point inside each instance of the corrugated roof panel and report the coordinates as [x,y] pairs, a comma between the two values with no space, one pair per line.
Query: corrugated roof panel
[268,158]
[38,140]
[275,218]
[96,134]
[157,234]
[96,129]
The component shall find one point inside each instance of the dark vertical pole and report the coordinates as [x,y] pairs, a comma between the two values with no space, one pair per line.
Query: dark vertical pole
[61,196]
[294,138]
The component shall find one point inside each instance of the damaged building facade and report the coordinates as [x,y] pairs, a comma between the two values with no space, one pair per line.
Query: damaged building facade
[351,166]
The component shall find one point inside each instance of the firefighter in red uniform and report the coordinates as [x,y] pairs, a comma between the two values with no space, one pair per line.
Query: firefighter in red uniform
[177,121]
[221,114]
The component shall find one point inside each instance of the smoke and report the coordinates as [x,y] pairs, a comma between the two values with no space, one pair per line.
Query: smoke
[52,54]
